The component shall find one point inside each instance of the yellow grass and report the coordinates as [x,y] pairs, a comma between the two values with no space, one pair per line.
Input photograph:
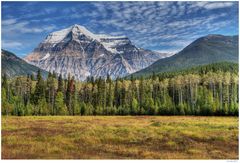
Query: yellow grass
[100,137]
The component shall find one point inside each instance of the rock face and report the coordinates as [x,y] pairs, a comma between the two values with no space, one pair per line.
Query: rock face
[78,52]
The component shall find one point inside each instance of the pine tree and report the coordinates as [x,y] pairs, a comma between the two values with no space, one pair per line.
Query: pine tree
[141,92]
[116,94]
[123,96]
[61,108]
[4,81]
[27,94]
[6,107]
[54,75]
[134,106]
[5,110]
[69,94]
[60,84]
[50,93]
[40,88]
[75,103]
[83,109]
[43,107]
[109,98]
[32,77]
[149,106]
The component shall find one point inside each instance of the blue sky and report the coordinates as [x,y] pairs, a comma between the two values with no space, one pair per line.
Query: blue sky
[161,26]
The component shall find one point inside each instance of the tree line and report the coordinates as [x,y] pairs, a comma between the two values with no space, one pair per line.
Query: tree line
[200,93]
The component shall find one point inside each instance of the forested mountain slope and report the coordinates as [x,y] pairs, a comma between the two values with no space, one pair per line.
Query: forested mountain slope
[203,69]
[205,50]
[14,66]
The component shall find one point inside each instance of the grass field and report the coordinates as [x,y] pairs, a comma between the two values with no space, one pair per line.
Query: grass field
[140,137]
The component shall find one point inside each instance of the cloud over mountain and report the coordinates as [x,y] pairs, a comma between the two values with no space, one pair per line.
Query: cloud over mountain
[151,25]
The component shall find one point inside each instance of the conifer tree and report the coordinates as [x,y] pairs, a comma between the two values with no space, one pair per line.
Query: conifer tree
[4,82]
[60,84]
[40,88]
[60,106]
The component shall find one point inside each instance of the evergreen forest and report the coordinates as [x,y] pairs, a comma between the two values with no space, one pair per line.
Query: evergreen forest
[204,90]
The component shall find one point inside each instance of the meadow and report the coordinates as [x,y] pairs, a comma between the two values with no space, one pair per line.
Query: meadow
[119,137]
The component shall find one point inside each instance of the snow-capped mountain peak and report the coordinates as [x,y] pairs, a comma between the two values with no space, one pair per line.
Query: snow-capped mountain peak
[81,30]
[80,33]
[58,36]
[78,51]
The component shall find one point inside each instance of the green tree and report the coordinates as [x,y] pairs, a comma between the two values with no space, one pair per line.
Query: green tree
[43,107]
[109,98]
[134,106]
[40,88]
[149,106]
[60,84]
[4,81]
[7,108]
[116,93]
[69,94]
[83,109]
[141,92]
[60,106]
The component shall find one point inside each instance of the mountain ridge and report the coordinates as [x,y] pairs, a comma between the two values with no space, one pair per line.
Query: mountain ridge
[13,65]
[204,50]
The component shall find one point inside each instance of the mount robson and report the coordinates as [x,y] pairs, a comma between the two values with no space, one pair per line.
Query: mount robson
[78,52]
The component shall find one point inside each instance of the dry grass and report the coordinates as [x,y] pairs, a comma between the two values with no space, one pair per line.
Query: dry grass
[141,137]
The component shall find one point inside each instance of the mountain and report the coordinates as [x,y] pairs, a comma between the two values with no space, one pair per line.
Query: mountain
[77,51]
[15,66]
[205,50]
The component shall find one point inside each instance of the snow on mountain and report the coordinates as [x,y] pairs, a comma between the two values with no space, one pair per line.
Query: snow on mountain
[56,37]
[111,43]
[81,53]
[46,56]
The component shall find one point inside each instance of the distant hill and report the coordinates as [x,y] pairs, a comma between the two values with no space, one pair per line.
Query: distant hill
[15,66]
[203,69]
[205,50]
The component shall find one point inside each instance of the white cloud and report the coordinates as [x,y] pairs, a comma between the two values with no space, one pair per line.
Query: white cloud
[9,21]
[24,27]
[50,10]
[147,24]
[217,5]
[169,52]
[176,43]
[49,27]
[211,5]
[11,44]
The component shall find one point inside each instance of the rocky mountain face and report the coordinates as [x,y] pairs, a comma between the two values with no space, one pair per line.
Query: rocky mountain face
[79,52]
[15,66]
[205,50]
